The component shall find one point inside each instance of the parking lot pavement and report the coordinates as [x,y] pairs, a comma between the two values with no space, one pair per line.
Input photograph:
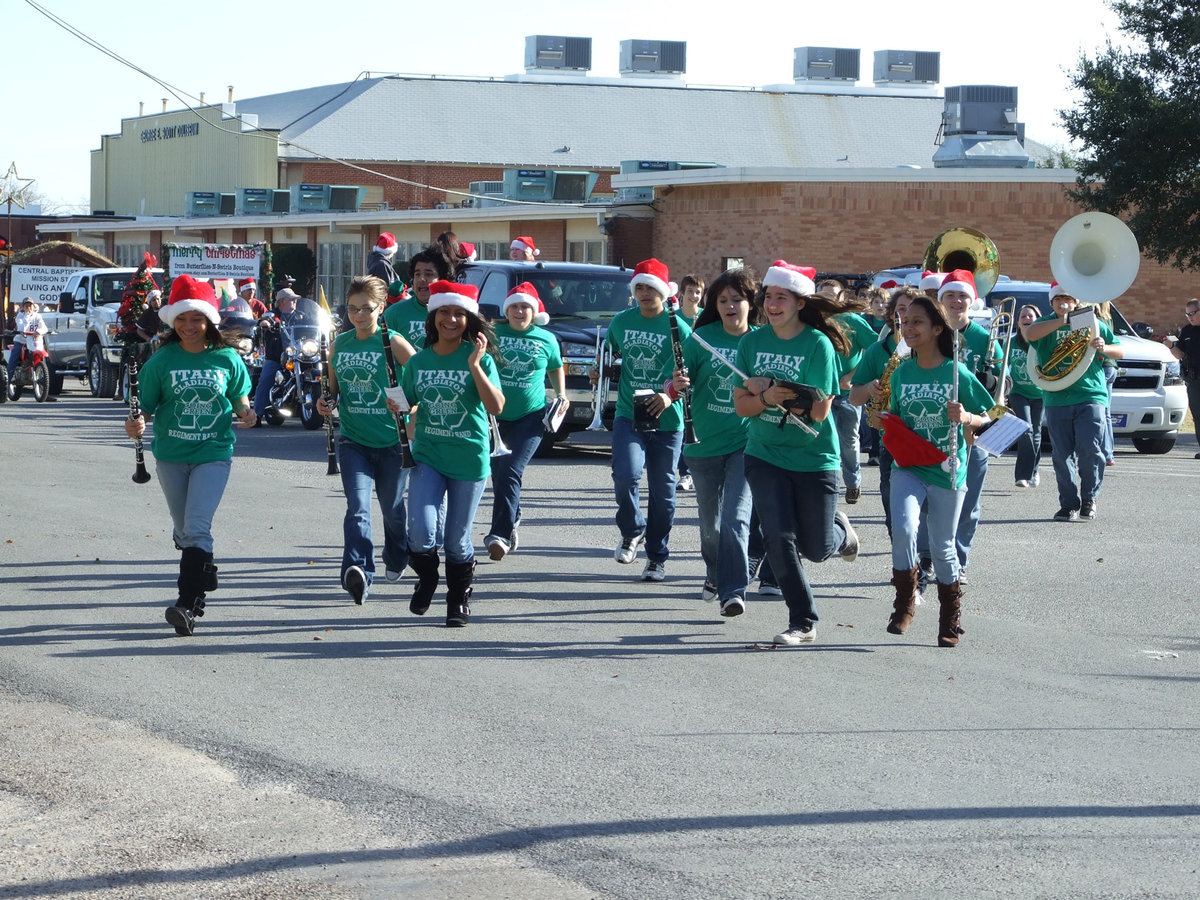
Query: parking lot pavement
[587,734]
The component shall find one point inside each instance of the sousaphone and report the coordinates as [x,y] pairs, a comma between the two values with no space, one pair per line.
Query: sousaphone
[1095,258]
[965,248]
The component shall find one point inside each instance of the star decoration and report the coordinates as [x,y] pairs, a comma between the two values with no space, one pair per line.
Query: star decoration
[13,187]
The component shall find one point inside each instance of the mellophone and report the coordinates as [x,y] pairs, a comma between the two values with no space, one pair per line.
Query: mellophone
[797,408]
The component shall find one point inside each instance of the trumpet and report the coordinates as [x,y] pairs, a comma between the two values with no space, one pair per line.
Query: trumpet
[603,384]
[498,446]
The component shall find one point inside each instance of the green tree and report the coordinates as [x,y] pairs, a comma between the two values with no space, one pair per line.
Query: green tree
[1138,122]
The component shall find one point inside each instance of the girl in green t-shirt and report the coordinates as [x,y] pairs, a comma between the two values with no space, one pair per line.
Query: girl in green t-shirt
[369,444]
[194,385]
[454,385]
[922,395]
[793,474]
[1026,401]
[530,355]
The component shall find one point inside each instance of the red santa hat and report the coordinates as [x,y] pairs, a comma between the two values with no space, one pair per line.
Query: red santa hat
[654,273]
[524,243]
[246,283]
[889,284]
[959,280]
[527,293]
[797,279]
[1057,290]
[931,281]
[190,295]
[386,243]
[451,293]
[466,250]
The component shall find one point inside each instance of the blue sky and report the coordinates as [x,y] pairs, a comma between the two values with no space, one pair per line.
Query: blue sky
[63,94]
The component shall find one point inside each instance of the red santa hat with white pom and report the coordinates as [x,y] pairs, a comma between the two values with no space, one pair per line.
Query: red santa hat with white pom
[797,279]
[190,295]
[451,293]
[527,293]
[654,273]
[524,243]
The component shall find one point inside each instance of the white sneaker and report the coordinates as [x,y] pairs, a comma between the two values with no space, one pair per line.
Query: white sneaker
[1033,482]
[733,606]
[849,551]
[626,551]
[355,582]
[685,483]
[796,636]
[708,593]
[496,547]
[1022,483]
[654,571]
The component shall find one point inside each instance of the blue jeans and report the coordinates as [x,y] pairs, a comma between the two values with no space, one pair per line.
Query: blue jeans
[723,507]
[14,356]
[968,517]
[429,493]
[361,467]
[522,436]
[846,420]
[796,510]
[193,492]
[1077,447]
[266,379]
[1029,445]
[1110,377]
[656,453]
[942,505]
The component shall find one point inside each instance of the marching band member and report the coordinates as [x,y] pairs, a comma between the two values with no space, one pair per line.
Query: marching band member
[793,474]
[530,355]
[867,387]
[717,460]
[648,429]
[369,443]
[454,385]
[847,415]
[408,317]
[922,395]
[1075,415]
[197,386]
[1026,400]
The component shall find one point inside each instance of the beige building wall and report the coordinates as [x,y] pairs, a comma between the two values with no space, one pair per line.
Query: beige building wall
[150,166]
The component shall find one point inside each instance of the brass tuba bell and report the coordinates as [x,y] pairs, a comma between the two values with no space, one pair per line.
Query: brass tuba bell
[1094,257]
[965,248]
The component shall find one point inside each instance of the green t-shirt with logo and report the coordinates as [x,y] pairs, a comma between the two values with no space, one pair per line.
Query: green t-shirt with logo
[647,360]
[807,358]
[407,319]
[718,427]
[451,432]
[861,336]
[874,361]
[527,355]
[1091,386]
[1018,368]
[191,398]
[920,397]
[361,373]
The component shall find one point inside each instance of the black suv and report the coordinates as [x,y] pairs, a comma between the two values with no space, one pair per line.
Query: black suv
[579,298]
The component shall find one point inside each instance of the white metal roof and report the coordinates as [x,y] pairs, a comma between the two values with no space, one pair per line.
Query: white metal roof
[582,125]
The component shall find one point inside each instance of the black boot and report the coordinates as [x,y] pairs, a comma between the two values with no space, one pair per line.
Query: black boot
[192,580]
[210,573]
[458,591]
[426,567]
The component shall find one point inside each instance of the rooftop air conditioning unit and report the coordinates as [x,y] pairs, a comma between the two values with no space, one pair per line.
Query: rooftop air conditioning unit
[633,166]
[640,57]
[549,185]
[211,203]
[907,67]
[262,201]
[825,64]
[327,197]
[980,109]
[546,52]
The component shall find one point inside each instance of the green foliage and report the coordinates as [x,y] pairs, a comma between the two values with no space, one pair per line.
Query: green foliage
[1139,123]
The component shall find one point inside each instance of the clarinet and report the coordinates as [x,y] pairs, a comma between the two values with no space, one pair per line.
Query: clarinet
[327,396]
[689,433]
[406,457]
[140,475]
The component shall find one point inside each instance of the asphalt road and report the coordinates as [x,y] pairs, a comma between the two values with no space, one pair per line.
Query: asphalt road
[587,735]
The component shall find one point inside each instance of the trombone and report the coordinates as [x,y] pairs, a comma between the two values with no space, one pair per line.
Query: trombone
[1006,318]
[603,384]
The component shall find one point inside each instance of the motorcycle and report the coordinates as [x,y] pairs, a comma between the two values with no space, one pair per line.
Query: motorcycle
[238,325]
[297,385]
[32,372]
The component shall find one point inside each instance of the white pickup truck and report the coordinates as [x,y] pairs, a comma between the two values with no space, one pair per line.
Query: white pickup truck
[83,330]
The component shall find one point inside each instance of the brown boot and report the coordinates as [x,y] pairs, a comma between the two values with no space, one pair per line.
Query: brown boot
[950,599]
[905,606]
